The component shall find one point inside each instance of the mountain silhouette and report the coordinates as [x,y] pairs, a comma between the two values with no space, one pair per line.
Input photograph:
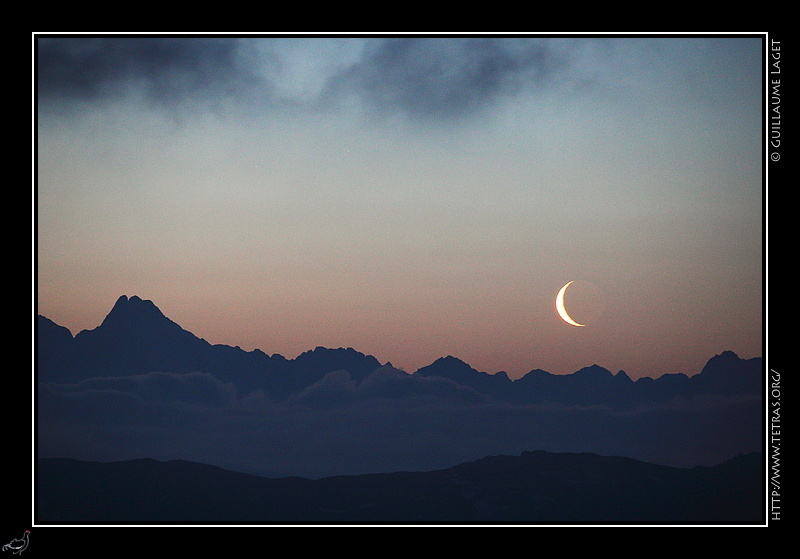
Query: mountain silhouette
[54,351]
[727,373]
[534,487]
[460,372]
[137,338]
[591,385]
[140,385]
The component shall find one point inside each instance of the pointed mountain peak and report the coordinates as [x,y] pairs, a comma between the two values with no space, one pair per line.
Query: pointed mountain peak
[725,357]
[125,304]
[537,373]
[594,370]
[134,307]
[725,361]
[131,314]
[321,360]
[322,352]
[447,366]
[450,360]
[729,372]
[623,376]
[456,370]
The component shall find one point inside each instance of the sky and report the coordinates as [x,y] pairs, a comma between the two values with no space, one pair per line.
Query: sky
[411,197]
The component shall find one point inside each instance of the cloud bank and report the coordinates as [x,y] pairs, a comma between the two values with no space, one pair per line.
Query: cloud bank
[166,70]
[391,421]
[446,77]
[421,77]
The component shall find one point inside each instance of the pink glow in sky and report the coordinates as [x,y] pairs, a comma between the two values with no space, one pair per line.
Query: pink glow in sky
[398,197]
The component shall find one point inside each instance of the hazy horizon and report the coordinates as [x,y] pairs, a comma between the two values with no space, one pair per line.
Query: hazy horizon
[137,387]
[390,364]
[410,197]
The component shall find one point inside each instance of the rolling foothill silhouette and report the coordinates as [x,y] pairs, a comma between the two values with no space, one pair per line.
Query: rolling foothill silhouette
[139,420]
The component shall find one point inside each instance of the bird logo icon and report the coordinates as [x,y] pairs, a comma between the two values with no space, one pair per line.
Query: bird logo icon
[17,546]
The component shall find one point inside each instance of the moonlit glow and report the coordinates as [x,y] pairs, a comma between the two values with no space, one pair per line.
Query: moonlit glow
[562,311]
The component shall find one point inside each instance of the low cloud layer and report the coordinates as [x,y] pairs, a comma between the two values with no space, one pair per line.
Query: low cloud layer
[391,421]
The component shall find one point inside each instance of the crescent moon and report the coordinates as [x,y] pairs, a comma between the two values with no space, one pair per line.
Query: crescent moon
[562,311]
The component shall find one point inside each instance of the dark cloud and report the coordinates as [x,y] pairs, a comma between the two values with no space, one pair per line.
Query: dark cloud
[421,77]
[446,77]
[164,69]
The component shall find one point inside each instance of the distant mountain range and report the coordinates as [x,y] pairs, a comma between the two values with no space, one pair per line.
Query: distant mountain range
[136,338]
[194,413]
[534,487]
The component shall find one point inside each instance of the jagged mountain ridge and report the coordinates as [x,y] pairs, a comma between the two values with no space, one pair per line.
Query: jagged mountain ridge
[533,487]
[137,338]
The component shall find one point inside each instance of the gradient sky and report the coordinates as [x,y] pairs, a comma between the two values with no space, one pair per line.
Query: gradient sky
[410,197]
